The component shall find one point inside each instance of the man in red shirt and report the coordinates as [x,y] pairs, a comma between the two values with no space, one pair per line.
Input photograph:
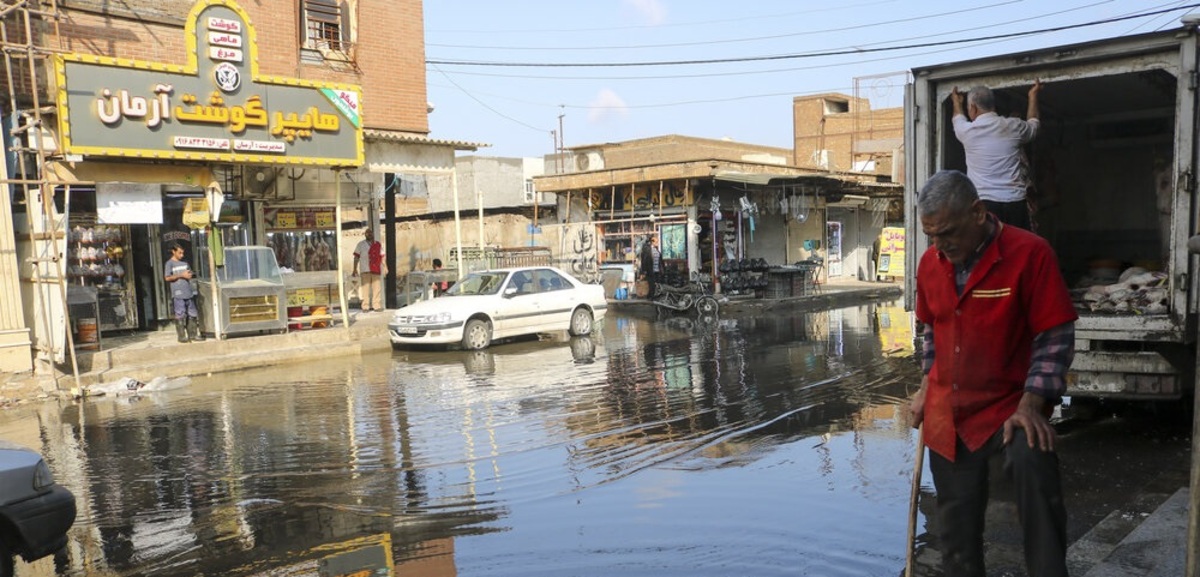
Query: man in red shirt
[999,338]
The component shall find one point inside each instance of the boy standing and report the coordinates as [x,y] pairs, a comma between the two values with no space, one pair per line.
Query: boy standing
[179,275]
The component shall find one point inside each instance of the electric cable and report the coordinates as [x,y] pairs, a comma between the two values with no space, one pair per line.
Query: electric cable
[858,50]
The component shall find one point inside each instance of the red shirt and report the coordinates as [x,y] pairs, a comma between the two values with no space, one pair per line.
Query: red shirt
[983,339]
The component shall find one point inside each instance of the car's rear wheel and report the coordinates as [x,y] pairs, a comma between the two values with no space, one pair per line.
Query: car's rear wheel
[477,334]
[581,322]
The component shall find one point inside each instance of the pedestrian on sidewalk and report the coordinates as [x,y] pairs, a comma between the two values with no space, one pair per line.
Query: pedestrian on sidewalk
[183,296]
[368,266]
[650,264]
[999,336]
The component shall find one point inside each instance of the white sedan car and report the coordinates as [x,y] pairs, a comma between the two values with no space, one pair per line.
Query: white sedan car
[495,304]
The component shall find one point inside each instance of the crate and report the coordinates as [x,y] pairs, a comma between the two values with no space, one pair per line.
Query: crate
[781,286]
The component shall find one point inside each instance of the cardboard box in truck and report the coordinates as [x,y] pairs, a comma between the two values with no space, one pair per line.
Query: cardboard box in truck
[1112,183]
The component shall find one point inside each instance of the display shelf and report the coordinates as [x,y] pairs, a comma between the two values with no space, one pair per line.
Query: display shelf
[99,258]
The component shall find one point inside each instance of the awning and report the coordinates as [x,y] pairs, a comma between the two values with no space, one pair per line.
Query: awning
[826,183]
[767,179]
[417,138]
[91,172]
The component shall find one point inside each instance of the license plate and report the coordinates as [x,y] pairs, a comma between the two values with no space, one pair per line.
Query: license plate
[407,330]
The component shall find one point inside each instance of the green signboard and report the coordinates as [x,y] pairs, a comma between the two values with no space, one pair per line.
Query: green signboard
[214,108]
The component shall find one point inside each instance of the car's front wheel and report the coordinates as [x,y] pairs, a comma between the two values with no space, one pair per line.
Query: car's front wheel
[477,334]
[581,322]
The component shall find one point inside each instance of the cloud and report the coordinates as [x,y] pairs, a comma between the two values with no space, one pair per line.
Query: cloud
[606,106]
[651,12]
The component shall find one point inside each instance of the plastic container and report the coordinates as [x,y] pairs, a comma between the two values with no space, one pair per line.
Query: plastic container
[88,336]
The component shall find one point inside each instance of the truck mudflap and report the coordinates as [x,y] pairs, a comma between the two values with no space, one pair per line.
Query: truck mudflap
[42,522]
[1142,374]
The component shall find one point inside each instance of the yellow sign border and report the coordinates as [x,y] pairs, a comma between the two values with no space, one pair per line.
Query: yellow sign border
[193,68]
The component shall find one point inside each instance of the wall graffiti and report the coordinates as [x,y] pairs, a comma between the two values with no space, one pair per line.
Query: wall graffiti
[578,250]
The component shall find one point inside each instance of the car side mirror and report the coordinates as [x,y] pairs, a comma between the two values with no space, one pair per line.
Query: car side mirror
[510,292]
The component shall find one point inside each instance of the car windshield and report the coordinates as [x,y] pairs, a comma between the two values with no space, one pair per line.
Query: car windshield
[478,283]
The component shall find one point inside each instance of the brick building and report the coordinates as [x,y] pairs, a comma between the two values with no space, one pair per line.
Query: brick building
[296,116]
[843,133]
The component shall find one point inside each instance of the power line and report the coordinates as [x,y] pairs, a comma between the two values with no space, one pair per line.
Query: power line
[485,105]
[723,21]
[839,52]
[756,38]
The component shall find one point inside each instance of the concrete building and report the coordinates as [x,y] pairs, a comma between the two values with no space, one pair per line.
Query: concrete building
[711,202]
[495,207]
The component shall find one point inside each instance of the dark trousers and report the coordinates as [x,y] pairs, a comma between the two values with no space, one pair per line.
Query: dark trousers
[185,308]
[1015,213]
[962,495]
[651,281]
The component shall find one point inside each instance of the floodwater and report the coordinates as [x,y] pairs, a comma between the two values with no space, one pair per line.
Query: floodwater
[754,446]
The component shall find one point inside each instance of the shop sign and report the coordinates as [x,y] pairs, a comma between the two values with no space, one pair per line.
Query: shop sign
[282,219]
[217,107]
[891,252]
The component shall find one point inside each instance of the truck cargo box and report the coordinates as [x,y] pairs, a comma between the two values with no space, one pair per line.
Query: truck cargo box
[1111,184]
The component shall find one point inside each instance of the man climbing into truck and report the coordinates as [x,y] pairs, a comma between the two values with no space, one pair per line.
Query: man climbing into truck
[996,163]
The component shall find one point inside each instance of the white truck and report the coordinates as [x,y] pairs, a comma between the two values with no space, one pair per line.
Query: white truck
[1113,174]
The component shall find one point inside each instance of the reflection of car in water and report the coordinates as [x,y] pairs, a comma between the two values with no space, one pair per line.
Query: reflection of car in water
[541,353]
[489,305]
[35,512]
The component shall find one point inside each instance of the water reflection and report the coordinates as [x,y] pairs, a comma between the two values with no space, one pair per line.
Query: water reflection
[758,445]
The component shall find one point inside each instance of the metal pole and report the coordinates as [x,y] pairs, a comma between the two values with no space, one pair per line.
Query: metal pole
[479,201]
[337,226]
[212,271]
[1193,548]
[1192,568]
[457,223]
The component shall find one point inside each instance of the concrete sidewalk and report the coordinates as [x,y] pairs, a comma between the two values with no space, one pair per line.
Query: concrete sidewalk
[1126,544]
[146,355]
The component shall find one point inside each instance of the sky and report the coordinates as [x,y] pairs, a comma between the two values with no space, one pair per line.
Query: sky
[521,75]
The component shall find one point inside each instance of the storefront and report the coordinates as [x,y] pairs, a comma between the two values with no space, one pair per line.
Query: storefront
[731,225]
[158,154]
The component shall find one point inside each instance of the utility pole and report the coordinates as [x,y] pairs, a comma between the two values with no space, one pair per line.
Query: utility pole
[561,139]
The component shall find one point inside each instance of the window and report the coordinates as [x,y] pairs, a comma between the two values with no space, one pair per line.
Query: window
[530,191]
[836,106]
[325,26]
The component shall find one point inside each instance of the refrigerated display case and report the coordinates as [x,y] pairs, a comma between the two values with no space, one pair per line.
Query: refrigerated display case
[99,257]
[251,292]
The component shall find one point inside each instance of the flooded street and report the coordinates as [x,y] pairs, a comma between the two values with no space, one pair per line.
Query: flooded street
[755,446]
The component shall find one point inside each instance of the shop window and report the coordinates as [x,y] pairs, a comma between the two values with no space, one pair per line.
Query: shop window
[328,28]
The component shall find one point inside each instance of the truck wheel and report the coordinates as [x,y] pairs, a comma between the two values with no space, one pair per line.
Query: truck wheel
[581,323]
[7,565]
[477,335]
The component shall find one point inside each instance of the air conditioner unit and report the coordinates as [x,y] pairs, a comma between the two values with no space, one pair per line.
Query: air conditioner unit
[589,161]
[259,180]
